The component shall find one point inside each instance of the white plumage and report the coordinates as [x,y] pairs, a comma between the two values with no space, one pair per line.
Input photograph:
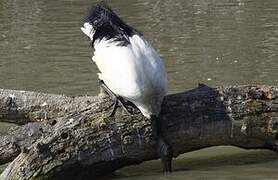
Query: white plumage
[134,71]
[130,67]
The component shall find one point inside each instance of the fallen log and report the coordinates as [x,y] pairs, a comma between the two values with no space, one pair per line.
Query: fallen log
[83,142]
[22,107]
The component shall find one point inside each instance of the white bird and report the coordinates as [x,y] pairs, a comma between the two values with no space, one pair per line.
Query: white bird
[128,64]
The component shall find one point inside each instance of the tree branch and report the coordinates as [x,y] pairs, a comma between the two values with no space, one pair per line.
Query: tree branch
[84,142]
[21,107]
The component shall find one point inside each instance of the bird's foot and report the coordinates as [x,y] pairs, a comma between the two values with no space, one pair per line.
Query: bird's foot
[118,101]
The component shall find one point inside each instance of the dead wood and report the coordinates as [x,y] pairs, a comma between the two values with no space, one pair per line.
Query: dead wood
[72,137]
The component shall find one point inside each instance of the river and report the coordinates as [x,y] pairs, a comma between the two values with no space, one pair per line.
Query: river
[215,42]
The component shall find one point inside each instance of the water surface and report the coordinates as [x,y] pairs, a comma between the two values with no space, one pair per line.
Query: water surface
[216,42]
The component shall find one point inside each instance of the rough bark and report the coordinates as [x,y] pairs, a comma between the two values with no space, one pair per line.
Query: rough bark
[79,141]
[21,107]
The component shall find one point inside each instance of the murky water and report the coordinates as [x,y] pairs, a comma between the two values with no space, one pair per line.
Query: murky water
[216,42]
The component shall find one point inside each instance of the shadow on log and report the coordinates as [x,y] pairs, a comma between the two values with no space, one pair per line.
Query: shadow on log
[73,138]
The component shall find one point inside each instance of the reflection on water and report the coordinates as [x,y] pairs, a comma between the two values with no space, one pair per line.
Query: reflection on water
[221,163]
[217,42]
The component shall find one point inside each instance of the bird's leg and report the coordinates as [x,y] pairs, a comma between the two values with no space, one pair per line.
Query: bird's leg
[117,99]
[106,89]
[164,149]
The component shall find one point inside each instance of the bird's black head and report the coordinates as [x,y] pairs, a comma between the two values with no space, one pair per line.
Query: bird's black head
[108,25]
